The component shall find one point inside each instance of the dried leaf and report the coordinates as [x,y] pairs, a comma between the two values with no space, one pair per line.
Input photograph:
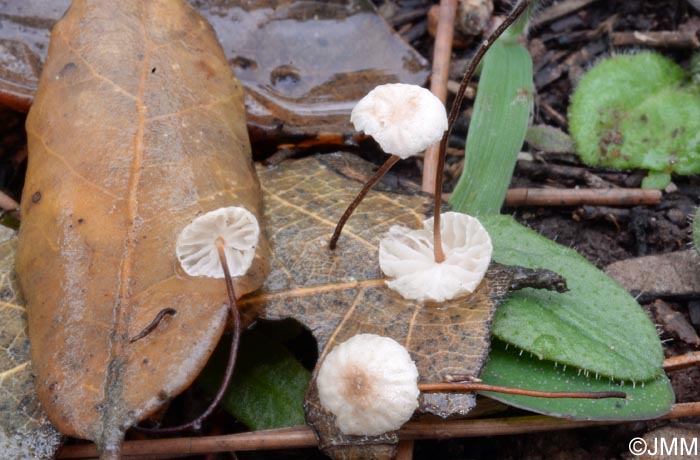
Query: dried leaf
[128,142]
[339,294]
[25,432]
[298,61]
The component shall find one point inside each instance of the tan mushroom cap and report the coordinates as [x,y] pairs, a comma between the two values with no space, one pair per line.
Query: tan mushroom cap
[370,384]
[407,256]
[196,244]
[403,119]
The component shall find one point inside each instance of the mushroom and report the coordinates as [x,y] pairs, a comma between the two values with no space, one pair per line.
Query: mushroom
[370,384]
[218,244]
[404,120]
[407,255]
[196,247]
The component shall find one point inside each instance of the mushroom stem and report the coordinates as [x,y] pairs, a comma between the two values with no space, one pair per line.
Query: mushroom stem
[196,424]
[454,111]
[442,387]
[360,196]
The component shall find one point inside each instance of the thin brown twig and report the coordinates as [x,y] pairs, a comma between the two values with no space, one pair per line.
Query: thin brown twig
[360,196]
[442,53]
[663,39]
[681,362]
[582,196]
[235,339]
[303,436]
[443,387]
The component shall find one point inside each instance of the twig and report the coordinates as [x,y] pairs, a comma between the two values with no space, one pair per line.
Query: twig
[577,197]
[559,10]
[556,171]
[681,362]
[443,387]
[303,436]
[442,54]
[657,39]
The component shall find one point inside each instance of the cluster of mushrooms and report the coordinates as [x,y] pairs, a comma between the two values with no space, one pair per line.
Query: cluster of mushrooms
[369,382]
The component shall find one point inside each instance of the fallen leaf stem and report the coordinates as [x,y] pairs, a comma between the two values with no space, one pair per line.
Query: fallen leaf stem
[442,387]
[442,54]
[578,197]
[683,361]
[304,436]
[154,324]
[454,112]
[235,339]
[360,196]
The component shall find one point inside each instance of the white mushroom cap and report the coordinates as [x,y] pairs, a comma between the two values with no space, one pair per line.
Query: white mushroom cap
[370,384]
[196,245]
[407,256]
[403,119]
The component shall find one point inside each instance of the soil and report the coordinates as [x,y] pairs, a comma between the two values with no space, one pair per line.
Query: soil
[562,50]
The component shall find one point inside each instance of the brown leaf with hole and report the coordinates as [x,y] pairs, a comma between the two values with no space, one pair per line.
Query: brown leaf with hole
[25,432]
[342,293]
[138,127]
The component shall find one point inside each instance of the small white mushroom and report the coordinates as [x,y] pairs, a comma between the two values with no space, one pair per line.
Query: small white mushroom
[407,256]
[196,245]
[403,119]
[370,384]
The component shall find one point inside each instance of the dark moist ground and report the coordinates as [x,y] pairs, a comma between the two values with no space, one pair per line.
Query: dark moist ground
[561,50]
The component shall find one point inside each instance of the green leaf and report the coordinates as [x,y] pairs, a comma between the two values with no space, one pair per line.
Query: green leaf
[637,111]
[595,326]
[268,385]
[656,180]
[496,131]
[509,367]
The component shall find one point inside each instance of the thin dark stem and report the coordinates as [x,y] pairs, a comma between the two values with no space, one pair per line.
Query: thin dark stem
[360,196]
[154,324]
[236,318]
[442,387]
[454,112]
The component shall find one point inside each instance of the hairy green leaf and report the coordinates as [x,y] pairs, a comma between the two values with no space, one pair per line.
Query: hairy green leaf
[596,326]
[496,131]
[512,367]
[636,111]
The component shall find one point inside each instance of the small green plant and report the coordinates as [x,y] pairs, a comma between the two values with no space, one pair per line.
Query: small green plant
[594,335]
[638,111]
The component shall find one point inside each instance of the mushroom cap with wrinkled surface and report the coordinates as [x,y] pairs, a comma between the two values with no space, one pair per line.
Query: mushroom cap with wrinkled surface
[196,244]
[370,384]
[403,119]
[407,256]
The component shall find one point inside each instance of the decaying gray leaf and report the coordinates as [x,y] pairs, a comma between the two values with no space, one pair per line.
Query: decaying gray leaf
[25,432]
[340,293]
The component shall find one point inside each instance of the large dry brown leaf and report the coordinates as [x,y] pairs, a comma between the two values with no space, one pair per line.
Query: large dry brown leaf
[303,64]
[342,293]
[25,432]
[138,127]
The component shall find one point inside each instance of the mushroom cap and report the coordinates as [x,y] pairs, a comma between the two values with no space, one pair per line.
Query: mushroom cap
[407,256]
[370,384]
[196,244]
[403,119]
